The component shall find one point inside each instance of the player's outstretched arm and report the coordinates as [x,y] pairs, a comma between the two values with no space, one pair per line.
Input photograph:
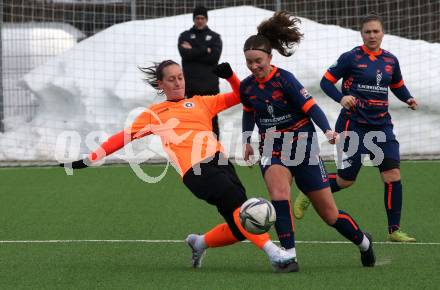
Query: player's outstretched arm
[223,101]
[113,144]
[225,71]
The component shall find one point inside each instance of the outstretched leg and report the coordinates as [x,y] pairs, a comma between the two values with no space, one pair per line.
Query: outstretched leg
[325,206]
[232,232]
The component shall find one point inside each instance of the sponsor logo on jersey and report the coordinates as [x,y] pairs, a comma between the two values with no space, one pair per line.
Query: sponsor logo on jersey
[305,93]
[362,65]
[192,36]
[378,77]
[372,89]
[322,169]
[274,121]
[188,105]
[208,37]
[270,110]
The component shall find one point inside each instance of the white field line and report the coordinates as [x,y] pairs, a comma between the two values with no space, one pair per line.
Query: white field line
[181,241]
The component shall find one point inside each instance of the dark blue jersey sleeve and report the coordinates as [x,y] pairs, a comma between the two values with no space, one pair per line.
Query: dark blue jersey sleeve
[299,96]
[402,93]
[397,85]
[330,90]
[397,74]
[338,70]
[295,91]
[318,116]
[247,106]
[248,124]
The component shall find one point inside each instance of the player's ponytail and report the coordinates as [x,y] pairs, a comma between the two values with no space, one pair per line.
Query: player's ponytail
[155,72]
[280,32]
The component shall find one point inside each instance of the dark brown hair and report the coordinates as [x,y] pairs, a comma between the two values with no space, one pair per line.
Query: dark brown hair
[155,72]
[279,32]
[372,16]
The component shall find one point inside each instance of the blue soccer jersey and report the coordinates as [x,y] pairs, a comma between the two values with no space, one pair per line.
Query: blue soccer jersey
[367,75]
[278,101]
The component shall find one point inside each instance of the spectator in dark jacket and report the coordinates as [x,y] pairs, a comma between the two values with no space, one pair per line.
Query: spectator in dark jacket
[200,49]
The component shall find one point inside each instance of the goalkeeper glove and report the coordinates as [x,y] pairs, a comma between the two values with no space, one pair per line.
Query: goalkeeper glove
[223,70]
[78,164]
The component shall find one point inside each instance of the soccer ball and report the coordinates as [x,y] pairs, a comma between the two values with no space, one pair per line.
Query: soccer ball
[257,215]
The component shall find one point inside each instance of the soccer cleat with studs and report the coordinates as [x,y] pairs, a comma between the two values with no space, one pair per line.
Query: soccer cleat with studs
[197,254]
[284,262]
[368,258]
[401,237]
[300,205]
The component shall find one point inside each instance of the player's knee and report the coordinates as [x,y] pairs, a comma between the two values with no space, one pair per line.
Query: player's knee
[391,175]
[279,193]
[343,183]
[330,216]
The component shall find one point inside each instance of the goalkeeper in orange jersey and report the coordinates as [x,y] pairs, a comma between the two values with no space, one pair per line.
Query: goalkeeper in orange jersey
[185,128]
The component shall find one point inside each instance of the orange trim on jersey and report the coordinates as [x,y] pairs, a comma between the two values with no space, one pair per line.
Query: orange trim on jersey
[295,126]
[332,176]
[344,216]
[308,105]
[330,77]
[390,190]
[379,103]
[369,52]
[269,76]
[397,85]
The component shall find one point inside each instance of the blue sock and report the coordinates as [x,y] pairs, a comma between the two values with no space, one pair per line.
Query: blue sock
[284,223]
[393,204]
[347,227]
[333,184]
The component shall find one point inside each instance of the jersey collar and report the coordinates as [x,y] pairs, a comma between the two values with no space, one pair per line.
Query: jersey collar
[371,54]
[269,76]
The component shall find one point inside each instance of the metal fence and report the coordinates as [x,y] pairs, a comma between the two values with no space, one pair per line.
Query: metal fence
[413,19]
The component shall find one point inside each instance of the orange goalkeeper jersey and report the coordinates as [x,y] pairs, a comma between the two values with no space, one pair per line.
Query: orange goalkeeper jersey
[185,128]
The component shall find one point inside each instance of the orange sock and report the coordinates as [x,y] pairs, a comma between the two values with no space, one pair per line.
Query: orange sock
[258,240]
[220,236]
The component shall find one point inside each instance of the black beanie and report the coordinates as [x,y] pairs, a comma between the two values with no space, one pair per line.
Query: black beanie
[200,10]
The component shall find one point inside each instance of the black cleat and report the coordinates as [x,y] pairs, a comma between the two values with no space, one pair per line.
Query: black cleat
[368,258]
[286,268]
